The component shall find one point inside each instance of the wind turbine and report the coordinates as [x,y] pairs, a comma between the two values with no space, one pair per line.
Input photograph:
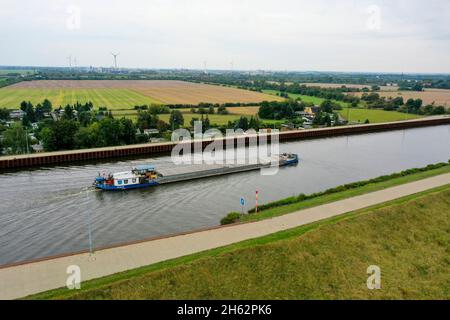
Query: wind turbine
[115,55]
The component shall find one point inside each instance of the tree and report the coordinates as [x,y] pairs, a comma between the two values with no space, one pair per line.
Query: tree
[89,137]
[147,120]
[211,110]
[68,113]
[15,139]
[222,110]
[85,118]
[4,114]
[326,106]
[176,119]
[46,106]
[127,131]
[162,126]
[254,123]
[242,123]
[59,135]
[28,108]
[413,106]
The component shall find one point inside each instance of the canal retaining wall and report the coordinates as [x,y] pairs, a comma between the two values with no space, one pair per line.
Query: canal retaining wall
[56,158]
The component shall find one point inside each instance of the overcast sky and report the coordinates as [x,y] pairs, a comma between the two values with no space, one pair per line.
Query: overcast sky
[322,35]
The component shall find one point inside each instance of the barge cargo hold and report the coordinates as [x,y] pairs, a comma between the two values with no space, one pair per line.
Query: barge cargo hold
[147,176]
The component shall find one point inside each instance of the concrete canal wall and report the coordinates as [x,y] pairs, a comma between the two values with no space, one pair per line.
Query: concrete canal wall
[56,158]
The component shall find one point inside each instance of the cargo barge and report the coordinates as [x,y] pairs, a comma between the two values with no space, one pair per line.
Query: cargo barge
[147,176]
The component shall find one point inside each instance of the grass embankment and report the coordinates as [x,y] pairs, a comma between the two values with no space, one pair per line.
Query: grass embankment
[302,201]
[407,238]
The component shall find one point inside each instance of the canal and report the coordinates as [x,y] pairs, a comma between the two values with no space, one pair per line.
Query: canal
[48,211]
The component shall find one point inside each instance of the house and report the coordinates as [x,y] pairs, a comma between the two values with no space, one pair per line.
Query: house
[17,114]
[38,148]
[150,132]
[312,111]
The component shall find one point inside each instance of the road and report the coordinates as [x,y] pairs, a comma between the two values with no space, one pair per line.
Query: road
[26,279]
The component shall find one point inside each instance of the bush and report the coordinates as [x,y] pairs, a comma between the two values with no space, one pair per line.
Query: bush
[231,218]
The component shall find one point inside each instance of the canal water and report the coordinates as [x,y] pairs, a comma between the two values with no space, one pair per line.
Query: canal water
[49,211]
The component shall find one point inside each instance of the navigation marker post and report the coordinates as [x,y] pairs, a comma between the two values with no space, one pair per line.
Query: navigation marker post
[257,198]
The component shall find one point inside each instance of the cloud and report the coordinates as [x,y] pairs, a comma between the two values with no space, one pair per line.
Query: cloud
[412,35]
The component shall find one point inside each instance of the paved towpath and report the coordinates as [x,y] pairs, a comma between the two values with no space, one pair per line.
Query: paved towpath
[22,280]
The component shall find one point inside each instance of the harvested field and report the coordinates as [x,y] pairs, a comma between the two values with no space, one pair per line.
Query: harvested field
[438,96]
[146,91]
[244,111]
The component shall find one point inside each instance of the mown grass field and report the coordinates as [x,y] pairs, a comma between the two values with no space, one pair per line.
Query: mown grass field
[111,98]
[375,116]
[357,114]
[407,238]
[234,114]
[308,99]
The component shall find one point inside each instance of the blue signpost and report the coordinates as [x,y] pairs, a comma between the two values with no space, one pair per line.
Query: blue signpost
[242,204]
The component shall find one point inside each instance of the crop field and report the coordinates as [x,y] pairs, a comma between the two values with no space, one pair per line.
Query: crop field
[440,97]
[244,111]
[124,94]
[112,98]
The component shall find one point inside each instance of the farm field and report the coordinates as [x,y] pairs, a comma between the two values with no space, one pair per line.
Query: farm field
[375,116]
[358,114]
[112,98]
[439,96]
[235,114]
[308,99]
[122,94]
[240,111]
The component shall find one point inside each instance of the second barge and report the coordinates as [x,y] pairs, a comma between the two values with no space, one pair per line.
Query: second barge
[147,175]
